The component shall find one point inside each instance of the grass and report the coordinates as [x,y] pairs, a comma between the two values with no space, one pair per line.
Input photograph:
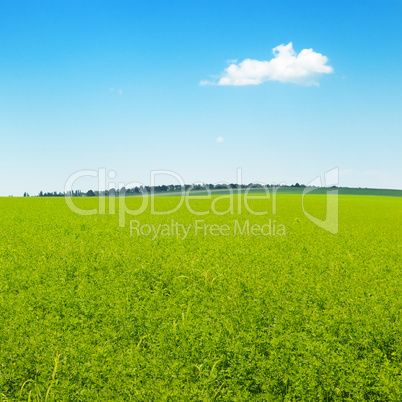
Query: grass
[89,312]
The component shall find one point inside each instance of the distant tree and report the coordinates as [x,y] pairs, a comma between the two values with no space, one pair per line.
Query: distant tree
[297,185]
[90,193]
[41,194]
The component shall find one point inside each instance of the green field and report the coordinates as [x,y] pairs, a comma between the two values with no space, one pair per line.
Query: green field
[90,311]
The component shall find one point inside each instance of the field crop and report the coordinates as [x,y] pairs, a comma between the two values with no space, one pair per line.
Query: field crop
[93,311]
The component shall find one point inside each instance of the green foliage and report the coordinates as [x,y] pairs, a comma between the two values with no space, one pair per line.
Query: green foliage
[88,312]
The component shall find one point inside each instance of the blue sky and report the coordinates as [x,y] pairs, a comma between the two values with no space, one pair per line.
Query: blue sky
[93,84]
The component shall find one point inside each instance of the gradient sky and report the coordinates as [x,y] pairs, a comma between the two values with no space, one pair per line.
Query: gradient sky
[116,84]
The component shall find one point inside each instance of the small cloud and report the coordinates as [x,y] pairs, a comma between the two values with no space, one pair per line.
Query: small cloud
[286,66]
[220,139]
[119,91]
[205,82]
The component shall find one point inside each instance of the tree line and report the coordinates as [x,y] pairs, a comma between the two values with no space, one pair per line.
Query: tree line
[157,189]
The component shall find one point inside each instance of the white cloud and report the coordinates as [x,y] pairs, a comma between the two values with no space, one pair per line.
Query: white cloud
[220,139]
[119,91]
[286,66]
